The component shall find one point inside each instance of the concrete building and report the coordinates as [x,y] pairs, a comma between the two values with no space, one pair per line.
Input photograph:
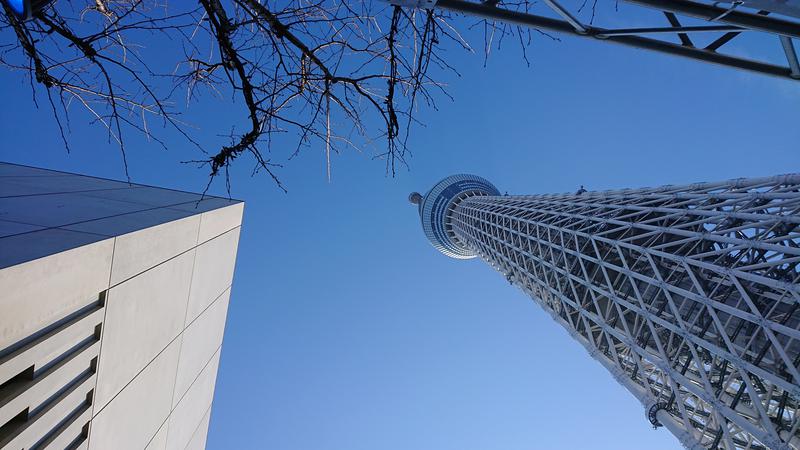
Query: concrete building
[113,299]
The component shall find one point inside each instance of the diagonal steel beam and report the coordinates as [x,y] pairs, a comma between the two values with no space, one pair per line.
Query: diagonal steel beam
[676,24]
[550,24]
[727,37]
[791,56]
[738,18]
[576,24]
[724,39]
[681,30]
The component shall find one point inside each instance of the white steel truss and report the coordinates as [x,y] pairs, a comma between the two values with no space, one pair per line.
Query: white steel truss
[689,295]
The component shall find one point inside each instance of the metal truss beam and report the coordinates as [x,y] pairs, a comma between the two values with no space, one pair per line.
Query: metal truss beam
[724,15]
[652,30]
[731,22]
[561,11]
[791,56]
[684,37]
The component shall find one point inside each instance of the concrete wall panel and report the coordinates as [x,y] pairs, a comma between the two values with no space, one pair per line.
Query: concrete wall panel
[143,315]
[128,223]
[22,248]
[213,271]
[198,441]
[207,204]
[148,196]
[201,339]
[159,441]
[40,292]
[134,416]
[189,413]
[219,221]
[138,251]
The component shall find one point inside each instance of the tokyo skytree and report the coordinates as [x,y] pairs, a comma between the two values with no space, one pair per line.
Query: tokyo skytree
[689,295]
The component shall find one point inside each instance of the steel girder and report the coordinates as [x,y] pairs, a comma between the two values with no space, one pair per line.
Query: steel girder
[688,295]
[728,22]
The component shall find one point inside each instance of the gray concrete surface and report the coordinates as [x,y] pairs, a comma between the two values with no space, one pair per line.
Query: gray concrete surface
[122,287]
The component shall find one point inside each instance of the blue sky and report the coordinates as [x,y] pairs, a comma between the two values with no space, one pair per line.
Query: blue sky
[348,331]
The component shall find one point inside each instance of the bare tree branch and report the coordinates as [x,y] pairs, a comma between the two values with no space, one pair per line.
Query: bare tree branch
[332,73]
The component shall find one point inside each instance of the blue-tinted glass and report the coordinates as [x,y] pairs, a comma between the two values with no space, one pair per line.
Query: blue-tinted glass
[18,6]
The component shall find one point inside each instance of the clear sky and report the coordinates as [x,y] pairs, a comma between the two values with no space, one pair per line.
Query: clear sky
[348,331]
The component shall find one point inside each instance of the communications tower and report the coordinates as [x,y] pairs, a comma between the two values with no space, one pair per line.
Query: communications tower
[689,295]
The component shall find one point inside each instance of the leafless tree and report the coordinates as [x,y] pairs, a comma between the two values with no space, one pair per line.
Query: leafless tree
[330,72]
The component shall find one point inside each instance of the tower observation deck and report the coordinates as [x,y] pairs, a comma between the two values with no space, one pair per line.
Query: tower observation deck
[689,295]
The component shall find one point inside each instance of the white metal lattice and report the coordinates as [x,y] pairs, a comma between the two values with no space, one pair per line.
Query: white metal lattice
[689,295]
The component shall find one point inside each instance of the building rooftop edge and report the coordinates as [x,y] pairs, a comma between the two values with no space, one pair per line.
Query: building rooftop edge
[234,200]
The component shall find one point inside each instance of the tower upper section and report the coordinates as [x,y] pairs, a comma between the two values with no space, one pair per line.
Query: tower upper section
[689,295]
[436,208]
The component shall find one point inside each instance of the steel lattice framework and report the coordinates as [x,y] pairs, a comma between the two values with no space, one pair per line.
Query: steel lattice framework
[688,295]
[714,23]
